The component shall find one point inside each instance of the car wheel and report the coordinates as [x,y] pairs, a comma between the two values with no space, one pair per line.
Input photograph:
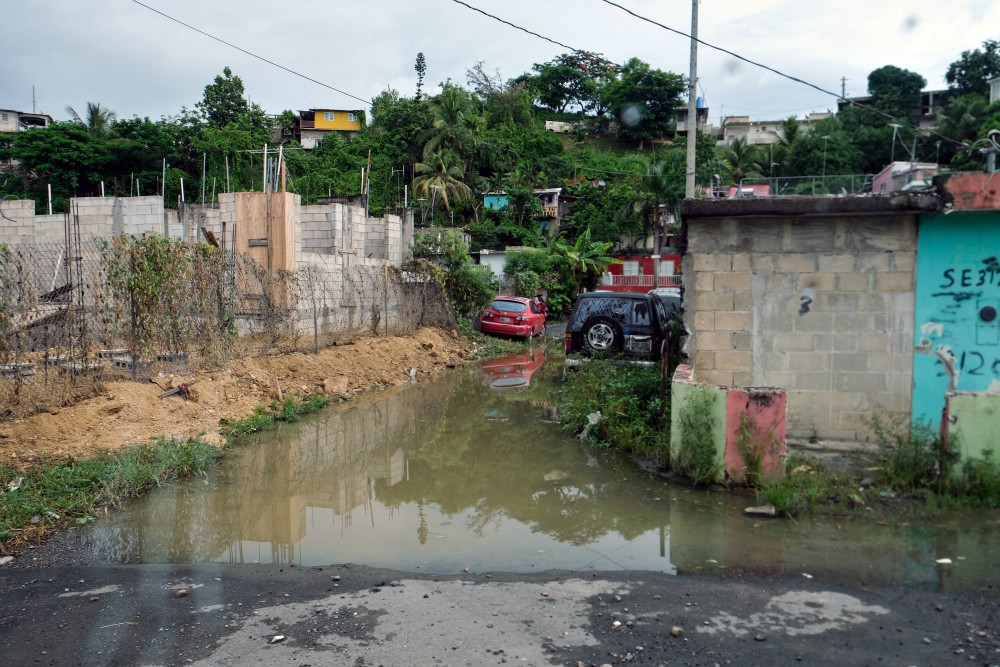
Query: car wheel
[602,335]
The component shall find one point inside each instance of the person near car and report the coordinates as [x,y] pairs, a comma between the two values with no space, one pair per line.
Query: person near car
[543,307]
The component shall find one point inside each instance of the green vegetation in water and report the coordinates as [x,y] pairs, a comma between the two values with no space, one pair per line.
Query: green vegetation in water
[696,455]
[627,399]
[263,418]
[74,492]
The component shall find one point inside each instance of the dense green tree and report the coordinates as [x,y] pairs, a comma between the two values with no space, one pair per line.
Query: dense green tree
[895,91]
[971,72]
[223,101]
[64,155]
[827,148]
[572,81]
[643,100]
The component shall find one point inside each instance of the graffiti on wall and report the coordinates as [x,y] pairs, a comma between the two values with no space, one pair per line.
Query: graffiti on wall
[957,337]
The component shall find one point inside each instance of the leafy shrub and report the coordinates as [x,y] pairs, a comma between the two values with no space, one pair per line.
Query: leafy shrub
[696,457]
[628,400]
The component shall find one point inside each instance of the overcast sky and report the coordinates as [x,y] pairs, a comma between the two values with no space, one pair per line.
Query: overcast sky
[136,62]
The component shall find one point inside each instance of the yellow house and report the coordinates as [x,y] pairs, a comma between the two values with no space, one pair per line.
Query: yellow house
[314,124]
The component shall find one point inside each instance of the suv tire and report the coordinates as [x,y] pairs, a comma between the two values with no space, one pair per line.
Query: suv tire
[602,335]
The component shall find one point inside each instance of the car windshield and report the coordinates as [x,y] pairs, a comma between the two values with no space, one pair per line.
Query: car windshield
[510,306]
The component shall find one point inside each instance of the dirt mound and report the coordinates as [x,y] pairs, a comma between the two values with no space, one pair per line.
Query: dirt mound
[132,412]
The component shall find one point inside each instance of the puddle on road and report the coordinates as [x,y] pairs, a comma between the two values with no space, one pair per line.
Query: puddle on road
[472,471]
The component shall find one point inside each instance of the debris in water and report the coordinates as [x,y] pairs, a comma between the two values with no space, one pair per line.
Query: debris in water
[943,561]
[763,510]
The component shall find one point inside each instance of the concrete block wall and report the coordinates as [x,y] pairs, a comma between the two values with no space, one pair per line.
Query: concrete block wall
[822,306]
[318,225]
[18,222]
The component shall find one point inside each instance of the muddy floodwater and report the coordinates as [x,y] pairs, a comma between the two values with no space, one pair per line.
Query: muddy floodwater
[473,471]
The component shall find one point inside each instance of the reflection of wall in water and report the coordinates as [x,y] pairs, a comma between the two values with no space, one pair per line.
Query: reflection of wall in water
[329,461]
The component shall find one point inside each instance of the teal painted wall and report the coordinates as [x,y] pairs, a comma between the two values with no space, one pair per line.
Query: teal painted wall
[495,202]
[957,304]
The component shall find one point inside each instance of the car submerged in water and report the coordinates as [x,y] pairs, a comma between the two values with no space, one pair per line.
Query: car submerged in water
[628,324]
[513,316]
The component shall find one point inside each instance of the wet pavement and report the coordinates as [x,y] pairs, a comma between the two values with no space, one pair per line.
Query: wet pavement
[219,614]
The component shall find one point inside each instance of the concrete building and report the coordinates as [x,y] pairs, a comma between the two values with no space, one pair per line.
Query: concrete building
[903,176]
[18,121]
[313,125]
[854,306]
[762,132]
[810,294]
[932,103]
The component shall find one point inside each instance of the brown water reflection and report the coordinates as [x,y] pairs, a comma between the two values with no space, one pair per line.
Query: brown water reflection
[452,474]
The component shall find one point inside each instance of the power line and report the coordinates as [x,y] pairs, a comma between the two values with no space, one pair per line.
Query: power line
[249,53]
[778,72]
[726,51]
[516,27]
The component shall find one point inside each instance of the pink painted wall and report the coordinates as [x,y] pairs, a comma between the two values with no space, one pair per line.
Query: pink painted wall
[765,410]
[974,190]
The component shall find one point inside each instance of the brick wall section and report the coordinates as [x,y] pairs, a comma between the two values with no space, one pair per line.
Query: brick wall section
[822,306]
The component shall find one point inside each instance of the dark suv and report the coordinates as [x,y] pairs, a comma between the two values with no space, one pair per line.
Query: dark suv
[610,323]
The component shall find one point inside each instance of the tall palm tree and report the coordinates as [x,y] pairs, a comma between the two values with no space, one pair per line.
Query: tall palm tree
[741,160]
[441,174]
[98,121]
[454,122]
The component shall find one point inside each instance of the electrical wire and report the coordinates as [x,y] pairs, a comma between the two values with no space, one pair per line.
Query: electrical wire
[780,73]
[728,52]
[251,54]
[516,27]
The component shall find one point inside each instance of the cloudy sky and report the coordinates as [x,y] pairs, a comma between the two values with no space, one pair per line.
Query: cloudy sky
[134,61]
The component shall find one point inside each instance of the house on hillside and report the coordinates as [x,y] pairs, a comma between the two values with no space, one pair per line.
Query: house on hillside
[312,126]
[18,121]
[932,104]
[904,176]
[555,205]
[762,132]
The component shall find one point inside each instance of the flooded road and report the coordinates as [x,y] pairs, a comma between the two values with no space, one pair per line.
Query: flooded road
[473,472]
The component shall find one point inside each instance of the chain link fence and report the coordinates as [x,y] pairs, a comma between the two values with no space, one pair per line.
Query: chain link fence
[76,314]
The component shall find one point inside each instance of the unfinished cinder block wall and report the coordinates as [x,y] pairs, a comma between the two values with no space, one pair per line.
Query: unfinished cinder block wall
[814,295]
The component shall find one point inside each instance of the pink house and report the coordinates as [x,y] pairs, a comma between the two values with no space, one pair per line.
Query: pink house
[900,175]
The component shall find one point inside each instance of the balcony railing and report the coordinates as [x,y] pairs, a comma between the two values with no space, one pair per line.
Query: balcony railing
[640,281]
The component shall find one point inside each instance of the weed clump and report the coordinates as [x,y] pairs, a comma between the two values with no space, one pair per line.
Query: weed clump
[632,415]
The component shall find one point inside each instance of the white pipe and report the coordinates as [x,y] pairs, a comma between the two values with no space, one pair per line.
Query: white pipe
[50,199]
[264,189]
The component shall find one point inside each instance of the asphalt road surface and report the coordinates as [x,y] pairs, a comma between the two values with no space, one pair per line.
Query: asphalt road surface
[221,614]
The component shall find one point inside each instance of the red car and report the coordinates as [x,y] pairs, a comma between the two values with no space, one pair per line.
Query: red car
[513,316]
[514,371]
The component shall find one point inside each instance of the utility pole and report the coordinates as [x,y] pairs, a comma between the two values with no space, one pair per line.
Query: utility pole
[692,134]
[843,87]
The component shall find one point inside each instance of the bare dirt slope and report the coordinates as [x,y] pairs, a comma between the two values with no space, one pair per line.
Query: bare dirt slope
[131,412]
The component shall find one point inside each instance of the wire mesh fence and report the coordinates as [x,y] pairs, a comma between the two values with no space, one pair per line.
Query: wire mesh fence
[76,314]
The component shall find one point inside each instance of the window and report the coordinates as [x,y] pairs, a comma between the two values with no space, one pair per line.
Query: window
[630,268]
[352,117]
[328,115]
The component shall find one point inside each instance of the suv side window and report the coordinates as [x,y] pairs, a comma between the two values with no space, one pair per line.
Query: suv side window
[640,314]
